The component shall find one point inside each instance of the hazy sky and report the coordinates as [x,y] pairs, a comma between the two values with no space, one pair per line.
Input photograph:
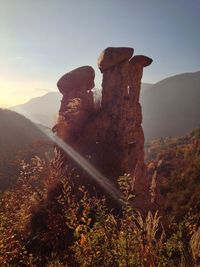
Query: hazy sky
[40,40]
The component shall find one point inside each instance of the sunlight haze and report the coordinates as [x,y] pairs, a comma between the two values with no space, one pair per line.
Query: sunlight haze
[42,40]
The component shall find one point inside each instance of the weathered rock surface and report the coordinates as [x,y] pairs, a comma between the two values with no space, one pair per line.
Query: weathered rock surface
[142,60]
[113,55]
[111,138]
[82,77]
[120,104]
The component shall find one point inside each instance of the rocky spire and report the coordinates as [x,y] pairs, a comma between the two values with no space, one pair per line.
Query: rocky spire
[77,102]
[121,87]
[111,138]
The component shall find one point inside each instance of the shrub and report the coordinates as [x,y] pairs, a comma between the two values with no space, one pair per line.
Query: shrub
[47,221]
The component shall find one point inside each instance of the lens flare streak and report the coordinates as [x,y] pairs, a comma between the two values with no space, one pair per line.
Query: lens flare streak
[87,166]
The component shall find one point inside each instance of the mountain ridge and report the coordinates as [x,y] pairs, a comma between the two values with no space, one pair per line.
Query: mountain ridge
[170,106]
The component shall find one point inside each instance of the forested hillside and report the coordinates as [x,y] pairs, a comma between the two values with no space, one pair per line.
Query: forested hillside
[16,131]
[19,138]
[47,221]
[177,165]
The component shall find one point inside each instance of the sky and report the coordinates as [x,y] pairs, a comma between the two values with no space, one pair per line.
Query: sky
[41,40]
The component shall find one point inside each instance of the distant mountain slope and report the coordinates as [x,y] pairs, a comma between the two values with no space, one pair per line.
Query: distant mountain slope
[144,87]
[42,109]
[16,132]
[171,107]
[19,139]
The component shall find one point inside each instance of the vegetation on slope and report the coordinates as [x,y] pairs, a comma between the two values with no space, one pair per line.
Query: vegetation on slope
[177,162]
[16,131]
[47,221]
[19,138]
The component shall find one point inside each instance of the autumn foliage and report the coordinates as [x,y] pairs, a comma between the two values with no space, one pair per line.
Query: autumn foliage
[45,220]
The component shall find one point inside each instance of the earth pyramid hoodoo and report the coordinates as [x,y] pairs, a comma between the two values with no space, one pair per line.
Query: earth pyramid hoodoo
[110,137]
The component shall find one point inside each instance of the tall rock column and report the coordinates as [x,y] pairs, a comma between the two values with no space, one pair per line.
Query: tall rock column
[134,136]
[121,85]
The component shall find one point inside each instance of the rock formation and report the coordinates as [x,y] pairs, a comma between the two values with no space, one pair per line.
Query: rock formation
[111,137]
[77,103]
